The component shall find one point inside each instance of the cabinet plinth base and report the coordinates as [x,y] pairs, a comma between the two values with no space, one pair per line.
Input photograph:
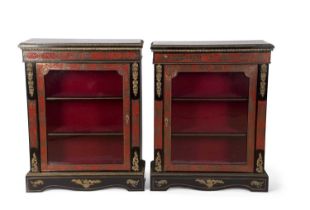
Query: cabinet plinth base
[85,181]
[161,181]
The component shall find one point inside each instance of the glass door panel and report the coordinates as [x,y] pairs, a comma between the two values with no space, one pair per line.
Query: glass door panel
[83,111]
[209,117]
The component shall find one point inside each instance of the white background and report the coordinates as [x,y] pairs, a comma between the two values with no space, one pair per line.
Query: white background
[282,23]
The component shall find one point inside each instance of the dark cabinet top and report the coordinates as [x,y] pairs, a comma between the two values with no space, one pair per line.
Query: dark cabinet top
[255,45]
[80,43]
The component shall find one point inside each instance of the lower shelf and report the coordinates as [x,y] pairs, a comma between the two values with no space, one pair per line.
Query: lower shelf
[85,181]
[161,181]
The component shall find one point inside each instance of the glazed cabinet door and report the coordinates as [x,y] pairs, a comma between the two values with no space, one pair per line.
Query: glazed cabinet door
[84,116]
[209,117]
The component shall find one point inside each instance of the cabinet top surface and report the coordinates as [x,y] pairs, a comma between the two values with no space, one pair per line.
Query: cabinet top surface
[211,45]
[80,43]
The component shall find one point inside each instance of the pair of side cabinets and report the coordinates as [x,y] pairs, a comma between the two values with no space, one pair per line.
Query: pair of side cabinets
[84,114]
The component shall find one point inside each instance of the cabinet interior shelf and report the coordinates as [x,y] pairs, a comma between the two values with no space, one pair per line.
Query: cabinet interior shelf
[209,99]
[84,98]
[86,134]
[211,134]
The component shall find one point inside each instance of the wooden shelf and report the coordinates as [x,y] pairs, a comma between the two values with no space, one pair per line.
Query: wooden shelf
[211,134]
[210,99]
[84,98]
[86,134]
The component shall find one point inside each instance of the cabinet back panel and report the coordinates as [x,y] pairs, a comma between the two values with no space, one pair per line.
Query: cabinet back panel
[206,116]
[210,85]
[208,150]
[85,150]
[83,83]
[84,116]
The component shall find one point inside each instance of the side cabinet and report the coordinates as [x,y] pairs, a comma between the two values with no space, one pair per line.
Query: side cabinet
[84,110]
[210,112]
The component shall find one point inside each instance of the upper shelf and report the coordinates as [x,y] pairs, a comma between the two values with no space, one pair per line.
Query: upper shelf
[82,98]
[210,99]
[215,46]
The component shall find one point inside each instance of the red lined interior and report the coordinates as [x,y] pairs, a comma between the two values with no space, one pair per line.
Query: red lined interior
[76,108]
[83,83]
[210,85]
[215,105]
[84,116]
[211,150]
[206,116]
[85,150]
